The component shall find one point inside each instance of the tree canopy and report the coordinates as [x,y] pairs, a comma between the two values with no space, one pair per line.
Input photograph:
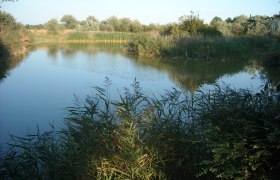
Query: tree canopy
[69,21]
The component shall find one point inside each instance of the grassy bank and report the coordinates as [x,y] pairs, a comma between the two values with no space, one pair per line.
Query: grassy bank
[71,36]
[202,48]
[223,134]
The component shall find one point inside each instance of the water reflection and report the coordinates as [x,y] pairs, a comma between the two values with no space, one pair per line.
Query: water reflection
[189,75]
[37,91]
[7,64]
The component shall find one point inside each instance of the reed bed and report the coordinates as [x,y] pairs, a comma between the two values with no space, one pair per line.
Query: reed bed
[224,133]
[80,37]
[200,47]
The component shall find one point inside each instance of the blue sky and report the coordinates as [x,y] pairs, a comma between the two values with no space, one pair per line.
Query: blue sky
[146,11]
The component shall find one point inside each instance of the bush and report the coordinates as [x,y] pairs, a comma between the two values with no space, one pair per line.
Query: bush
[13,36]
[149,45]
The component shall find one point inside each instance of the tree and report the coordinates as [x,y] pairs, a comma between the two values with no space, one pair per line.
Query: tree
[114,22]
[240,25]
[259,25]
[106,26]
[136,26]
[92,23]
[69,21]
[52,26]
[7,19]
[124,25]
[207,30]
[225,28]
[110,24]
[229,20]
[191,23]
[215,21]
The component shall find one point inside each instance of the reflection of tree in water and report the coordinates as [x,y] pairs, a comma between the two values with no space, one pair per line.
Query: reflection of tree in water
[53,51]
[192,74]
[7,62]
[272,74]
[188,74]
[69,50]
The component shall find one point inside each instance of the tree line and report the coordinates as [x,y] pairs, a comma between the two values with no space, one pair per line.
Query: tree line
[191,25]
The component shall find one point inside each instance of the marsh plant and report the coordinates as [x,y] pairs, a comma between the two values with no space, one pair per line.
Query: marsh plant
[201,47]
[222,133]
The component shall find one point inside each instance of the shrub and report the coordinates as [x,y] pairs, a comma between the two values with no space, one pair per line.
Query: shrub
[149,45]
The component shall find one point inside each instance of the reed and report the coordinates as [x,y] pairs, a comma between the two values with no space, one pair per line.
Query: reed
[224,133]
[201,48]
[42,36]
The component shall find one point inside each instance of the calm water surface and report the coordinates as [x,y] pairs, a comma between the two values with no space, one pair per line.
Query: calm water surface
[37,89]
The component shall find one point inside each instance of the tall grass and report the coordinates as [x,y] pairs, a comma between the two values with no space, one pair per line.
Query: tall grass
[223,133]
[149,45]
[201,48]
[42,36]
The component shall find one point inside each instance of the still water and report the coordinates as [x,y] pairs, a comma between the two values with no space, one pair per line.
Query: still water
[39,87]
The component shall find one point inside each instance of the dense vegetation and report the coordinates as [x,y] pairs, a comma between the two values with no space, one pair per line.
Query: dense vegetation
[203,48]
[191,38]
[13,41]
[70,36]
[222,133]
[13,36]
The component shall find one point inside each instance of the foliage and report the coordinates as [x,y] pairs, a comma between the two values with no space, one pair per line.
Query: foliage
[120,25]
[13,37]
[52,26]
[148,45]
[191,23]
[211,46]
[69,21]
[215,21]
[90,24]
[223,133]
[245,140]
[209,31]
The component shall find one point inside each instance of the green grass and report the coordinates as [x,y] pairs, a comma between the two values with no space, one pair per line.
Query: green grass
[223,133]
[114,36]
[77,36]
[42,36]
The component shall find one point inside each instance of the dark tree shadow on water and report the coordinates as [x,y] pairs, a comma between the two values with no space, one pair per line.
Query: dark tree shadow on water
[4,56]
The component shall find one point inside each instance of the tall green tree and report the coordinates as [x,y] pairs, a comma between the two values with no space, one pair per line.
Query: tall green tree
[69,21]
[191,23]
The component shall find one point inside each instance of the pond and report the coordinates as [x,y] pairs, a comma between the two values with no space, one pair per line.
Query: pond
[38,87]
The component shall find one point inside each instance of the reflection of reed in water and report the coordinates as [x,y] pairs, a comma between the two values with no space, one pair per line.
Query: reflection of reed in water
[192,74]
